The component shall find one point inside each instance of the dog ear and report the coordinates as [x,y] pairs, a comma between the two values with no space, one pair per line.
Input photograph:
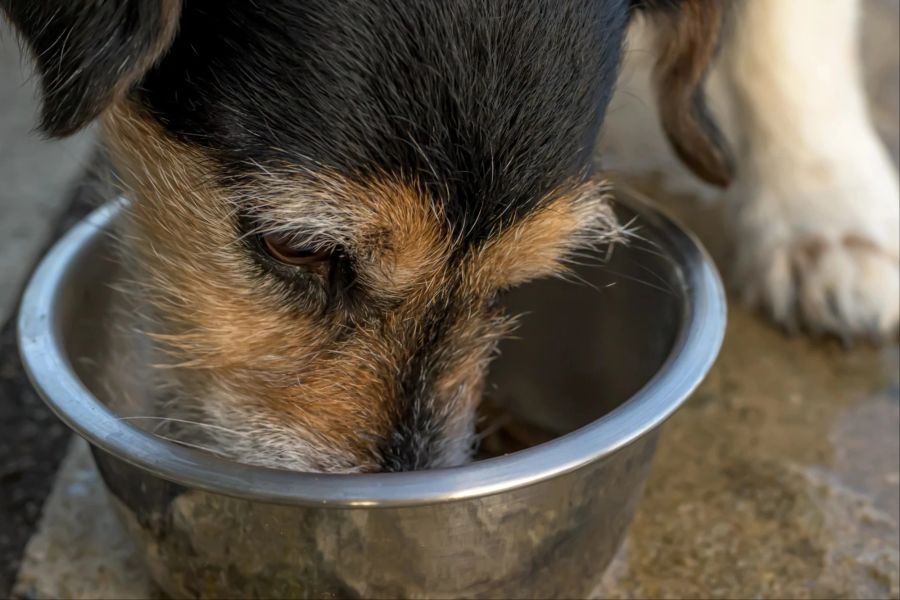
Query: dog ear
[687,37]
[89,53]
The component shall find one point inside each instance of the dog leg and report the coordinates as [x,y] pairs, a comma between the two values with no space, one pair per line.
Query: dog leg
[815,207]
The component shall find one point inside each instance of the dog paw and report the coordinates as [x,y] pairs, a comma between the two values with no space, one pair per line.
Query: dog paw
[818,248]
[849,287]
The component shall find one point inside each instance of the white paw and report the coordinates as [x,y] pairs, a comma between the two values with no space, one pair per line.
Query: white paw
[821,257]
[849,287]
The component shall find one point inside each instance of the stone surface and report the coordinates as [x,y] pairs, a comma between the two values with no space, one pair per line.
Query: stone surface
[80,550]
[32,441]
[777,480]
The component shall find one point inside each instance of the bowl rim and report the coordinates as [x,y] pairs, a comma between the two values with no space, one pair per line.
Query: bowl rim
[695,349]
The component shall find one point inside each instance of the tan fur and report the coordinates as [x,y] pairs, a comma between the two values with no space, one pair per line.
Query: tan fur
[541,243]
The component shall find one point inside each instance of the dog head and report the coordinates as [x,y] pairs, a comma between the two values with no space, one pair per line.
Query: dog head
[328,196]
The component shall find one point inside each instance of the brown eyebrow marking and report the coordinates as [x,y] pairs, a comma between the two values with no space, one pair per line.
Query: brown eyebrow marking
[541,242]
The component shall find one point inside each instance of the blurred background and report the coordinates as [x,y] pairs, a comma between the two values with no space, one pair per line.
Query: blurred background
[779,479]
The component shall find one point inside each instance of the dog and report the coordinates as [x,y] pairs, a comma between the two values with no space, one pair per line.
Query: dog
[328,196]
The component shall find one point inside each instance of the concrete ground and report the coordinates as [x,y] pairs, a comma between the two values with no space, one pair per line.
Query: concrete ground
[778,479]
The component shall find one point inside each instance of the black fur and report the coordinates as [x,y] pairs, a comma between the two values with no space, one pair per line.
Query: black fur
[492,104]
[86,50]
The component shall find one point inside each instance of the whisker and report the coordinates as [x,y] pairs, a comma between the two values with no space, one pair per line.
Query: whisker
[196,447]
[640,281]
[576,279]
[656,275]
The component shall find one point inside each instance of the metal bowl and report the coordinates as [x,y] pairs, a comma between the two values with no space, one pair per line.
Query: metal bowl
[601,364]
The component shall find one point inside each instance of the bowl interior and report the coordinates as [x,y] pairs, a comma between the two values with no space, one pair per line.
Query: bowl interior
[589,341]
[585,343]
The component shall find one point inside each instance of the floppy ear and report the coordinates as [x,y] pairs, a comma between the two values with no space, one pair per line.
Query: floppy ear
[90,52]
[688,36]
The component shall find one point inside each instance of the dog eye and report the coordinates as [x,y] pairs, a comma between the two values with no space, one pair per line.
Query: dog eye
[282,248]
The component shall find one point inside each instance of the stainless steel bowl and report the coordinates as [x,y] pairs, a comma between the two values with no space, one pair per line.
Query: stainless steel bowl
[602,364]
